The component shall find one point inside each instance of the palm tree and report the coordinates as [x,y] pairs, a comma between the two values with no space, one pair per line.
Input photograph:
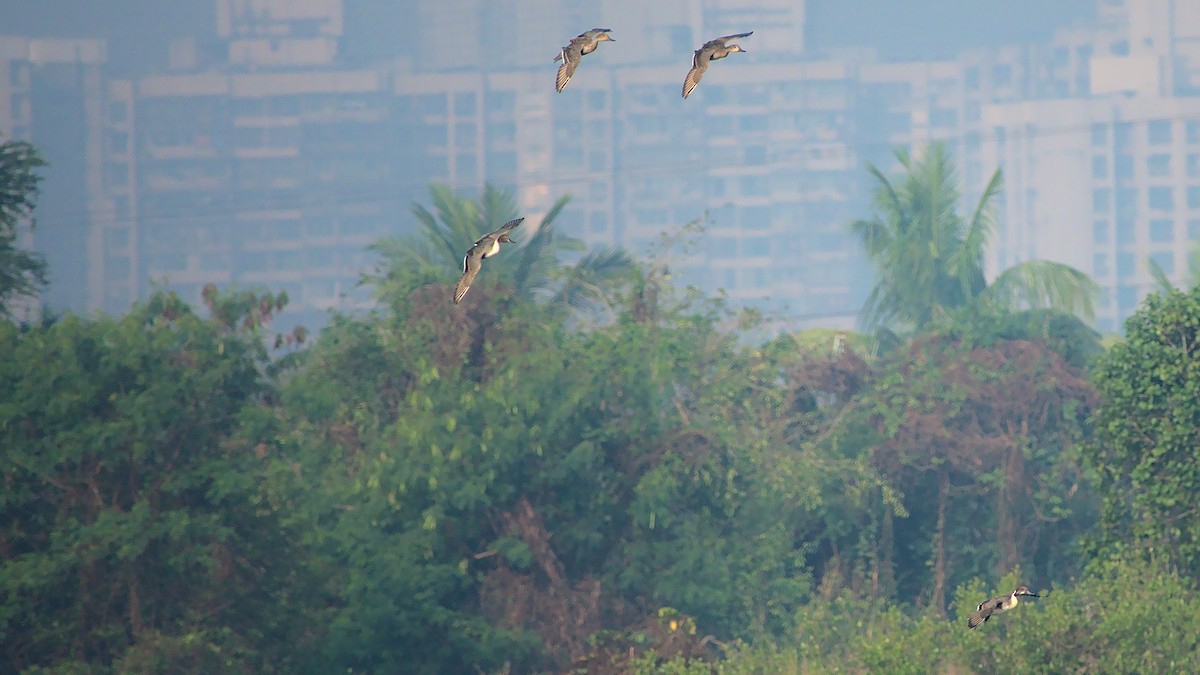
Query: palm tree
[535,268]
[929,259]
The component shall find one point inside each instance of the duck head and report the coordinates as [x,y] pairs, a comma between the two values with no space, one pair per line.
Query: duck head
[1025,592]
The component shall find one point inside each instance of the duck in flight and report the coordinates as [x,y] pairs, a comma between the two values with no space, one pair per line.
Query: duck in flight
[711,51]
[487,246]
[998,604]
[584,43]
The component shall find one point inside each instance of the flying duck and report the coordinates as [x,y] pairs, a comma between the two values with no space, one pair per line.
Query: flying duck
[584,43]
[998,604]
[711,51]
[487,246]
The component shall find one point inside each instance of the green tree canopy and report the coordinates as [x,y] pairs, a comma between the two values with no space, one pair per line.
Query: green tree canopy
[1148,431]
[133,534]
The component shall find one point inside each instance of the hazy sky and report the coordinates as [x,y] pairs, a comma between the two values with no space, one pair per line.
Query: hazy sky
[923,29]
[899,29]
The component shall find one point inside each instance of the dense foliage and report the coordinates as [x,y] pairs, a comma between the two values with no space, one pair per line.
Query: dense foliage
[504,487]
[1148,433]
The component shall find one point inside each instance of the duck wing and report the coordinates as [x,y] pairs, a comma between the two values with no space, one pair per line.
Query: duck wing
[699,65]
[567,70]
[985,611]
[717,43]
[471,264]
[505,228]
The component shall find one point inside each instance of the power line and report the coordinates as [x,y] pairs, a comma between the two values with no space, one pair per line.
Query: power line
[386,194]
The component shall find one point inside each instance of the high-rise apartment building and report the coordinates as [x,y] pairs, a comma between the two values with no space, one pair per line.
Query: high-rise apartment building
[50,95]
[1107,177]
[269,161]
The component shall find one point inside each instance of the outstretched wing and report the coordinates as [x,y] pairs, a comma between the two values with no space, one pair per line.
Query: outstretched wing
[720,42]
[699,65]
[471,265]
[978,618]
[507,227]
[984,612]
[566,71]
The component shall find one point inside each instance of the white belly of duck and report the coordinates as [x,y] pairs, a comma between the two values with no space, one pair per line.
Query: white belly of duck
[493,250]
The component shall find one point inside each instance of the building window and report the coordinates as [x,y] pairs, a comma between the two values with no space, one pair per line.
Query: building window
[117,238]
[1193,132]
[755,186]
[1194,229]
[1123,132]
[1101,200]
[502,165]
[501,103]
[724,248]
[1159,131]
[433,104]
[464,135]
[1126,231]
[1124,166]
[117,269]
[1002,75]
[597,160]
[971,78]
[1193,165]
[118,112]
[464,103]
[466,166]
[1126,299]
[974,111]
[943,118]
[1162,230]
[1099,135]
[1100,264]
[754,218]
[1161,198]
[1100,232]
[756,246]
[1099,166]
[118,141]
[1159,165]
[1125,265]
[503,132]
[1193,196]
[752,123]
[214,261]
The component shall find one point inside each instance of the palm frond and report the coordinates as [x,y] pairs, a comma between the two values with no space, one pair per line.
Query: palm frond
[1044,283]
[1160,277]
[539,254]
[874,236]
[439,235]
[967,261]
[496,206]
[584,284]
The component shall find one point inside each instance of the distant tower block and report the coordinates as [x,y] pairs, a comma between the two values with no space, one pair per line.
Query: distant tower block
[280,32]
